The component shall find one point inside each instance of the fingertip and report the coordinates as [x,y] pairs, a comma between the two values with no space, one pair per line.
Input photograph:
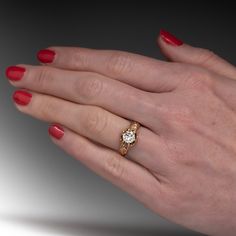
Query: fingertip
[56,131]
[46,56]
[169,38]
[14,73]
[22,97]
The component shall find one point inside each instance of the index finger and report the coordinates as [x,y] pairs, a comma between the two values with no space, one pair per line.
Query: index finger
[139,71]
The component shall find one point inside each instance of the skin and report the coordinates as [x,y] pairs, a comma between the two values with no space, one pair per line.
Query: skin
[183,166]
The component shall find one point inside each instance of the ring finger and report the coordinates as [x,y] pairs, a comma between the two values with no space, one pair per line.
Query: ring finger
[92,122]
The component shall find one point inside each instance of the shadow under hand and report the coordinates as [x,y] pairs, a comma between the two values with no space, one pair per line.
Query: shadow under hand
[73,227]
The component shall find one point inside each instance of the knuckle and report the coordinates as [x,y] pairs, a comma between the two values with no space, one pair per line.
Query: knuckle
[198,78]
[178,115]
[43,77]
[119,63]
[89,88]
[47,109]
[50,109]
[179,154]
[206,57]
[114,167]
[79,59]
[96,121]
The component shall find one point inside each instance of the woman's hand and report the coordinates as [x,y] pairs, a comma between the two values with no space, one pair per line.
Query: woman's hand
[184,164]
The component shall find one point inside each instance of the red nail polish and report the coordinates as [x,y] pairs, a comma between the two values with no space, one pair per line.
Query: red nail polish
[15,73]
[170,38]
[56,131]
[46,56]
[22,97]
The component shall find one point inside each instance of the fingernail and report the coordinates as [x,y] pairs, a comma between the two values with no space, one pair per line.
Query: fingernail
[56,131]
[170,38]
[22,97]
[15,73]
[46,55]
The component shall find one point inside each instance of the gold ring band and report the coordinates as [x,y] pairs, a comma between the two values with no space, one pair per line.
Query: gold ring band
[129,137]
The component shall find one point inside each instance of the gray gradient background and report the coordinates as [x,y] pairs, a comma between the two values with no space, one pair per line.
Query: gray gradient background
[40,185]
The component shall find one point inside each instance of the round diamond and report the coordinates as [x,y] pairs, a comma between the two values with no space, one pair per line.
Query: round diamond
[128,136]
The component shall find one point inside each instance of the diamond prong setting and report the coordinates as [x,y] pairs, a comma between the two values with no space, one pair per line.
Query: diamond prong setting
[128,136]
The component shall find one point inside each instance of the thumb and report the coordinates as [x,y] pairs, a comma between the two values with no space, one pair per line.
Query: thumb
[175,50]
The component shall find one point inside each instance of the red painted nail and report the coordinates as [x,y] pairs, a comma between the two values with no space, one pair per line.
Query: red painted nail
[170,38]
[22,97]
[56,131]
[46,56]
[15,73]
